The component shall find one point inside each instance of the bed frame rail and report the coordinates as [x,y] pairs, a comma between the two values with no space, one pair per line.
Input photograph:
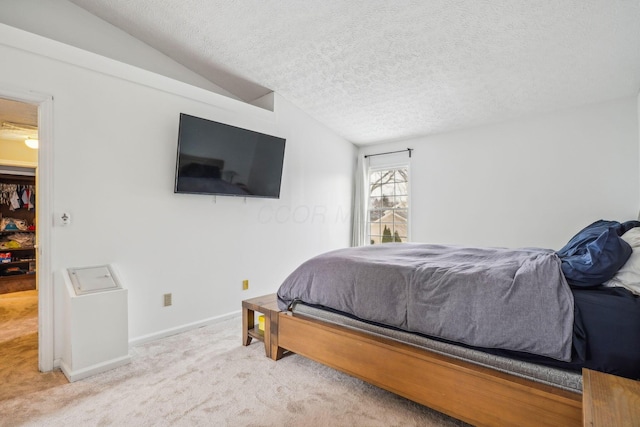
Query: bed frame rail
[474,394]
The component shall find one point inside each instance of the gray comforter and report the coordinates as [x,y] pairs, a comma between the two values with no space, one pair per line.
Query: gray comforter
[513,299]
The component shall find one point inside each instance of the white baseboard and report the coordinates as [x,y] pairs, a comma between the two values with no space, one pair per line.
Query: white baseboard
[94,369]
[172,331]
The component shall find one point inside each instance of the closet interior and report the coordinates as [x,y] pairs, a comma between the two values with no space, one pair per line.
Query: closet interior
[17,233]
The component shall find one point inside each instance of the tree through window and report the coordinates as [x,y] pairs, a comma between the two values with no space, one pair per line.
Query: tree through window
[388,208]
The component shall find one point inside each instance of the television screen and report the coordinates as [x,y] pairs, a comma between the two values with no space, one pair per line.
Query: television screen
[216,158]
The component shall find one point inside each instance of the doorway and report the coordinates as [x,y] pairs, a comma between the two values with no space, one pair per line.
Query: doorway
[26,115]
[18,254]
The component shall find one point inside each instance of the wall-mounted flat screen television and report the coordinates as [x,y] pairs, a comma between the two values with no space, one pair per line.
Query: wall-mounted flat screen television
[220,159]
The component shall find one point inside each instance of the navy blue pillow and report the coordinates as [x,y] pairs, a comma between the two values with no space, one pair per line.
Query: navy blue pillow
[595,254]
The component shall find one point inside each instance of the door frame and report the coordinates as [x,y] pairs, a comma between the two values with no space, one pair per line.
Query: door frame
[44,215]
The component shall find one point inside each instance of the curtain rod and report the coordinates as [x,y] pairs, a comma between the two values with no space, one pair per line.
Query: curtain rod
[389,152]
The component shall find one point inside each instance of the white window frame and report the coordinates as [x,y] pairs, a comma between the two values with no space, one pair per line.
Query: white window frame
[390,162]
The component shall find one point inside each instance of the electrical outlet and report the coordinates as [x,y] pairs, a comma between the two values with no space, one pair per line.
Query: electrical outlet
[245,285]
[167,300]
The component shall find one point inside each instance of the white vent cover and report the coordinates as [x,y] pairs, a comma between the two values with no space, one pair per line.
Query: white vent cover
[87,280]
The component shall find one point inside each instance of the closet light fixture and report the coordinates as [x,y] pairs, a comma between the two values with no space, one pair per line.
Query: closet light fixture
[31,143]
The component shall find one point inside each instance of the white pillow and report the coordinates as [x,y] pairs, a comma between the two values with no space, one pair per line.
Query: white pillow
[629,274]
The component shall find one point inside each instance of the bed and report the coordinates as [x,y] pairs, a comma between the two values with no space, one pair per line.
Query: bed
[562,311]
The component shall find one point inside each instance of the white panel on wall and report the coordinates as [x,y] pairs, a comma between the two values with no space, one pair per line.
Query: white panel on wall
[114,163]
[530,182]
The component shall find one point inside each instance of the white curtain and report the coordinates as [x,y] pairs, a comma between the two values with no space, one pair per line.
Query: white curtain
[358,231]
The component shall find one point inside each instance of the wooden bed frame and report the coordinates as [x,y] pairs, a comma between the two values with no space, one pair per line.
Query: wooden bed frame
[471,393]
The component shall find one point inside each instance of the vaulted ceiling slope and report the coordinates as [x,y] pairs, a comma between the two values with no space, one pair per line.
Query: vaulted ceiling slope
[378,70]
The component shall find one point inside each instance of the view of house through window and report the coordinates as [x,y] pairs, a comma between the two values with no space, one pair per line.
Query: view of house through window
[388,205]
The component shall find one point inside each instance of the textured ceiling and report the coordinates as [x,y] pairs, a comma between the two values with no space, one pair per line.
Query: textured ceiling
[378,70]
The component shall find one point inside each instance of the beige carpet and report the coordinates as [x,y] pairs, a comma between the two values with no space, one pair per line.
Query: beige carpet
[18,314]
[204,377]
[19,373]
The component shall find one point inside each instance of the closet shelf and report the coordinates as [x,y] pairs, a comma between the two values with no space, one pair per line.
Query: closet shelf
[22,261]
[28,248]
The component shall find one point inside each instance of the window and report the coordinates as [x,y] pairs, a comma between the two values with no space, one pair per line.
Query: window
[388,205]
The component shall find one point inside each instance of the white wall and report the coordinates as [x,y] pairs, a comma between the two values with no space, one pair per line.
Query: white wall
[529,182]
[114,147]
[63,21]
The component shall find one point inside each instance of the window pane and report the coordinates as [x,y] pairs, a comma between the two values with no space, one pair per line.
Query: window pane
[388,202]
[400,231]
[401,175]
[401,189]
[388,206]
[375,215]
[388,189]
[387,233]
[375,190]
[402,211]
[374,183]
[374,228]
[375,202]
[401,216]
[401,202]
[396,236]
[396,202]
